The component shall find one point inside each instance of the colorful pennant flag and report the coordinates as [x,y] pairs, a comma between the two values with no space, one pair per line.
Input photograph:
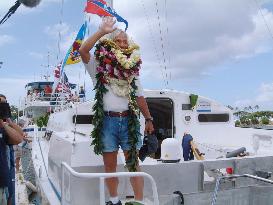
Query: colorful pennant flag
[73,55]
[100,8]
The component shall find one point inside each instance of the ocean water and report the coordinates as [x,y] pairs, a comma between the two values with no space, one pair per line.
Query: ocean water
[29,175]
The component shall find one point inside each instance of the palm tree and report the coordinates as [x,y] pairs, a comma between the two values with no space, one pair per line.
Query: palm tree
[256,107]
[230,107]
[14,112]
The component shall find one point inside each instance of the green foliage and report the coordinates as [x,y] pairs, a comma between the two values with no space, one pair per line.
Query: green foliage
[42,120]
[237,123]
[254,118]
[265,120]
[193,100]
[245,120]
[133,129]
[98,115]
[14,112]
[39,122]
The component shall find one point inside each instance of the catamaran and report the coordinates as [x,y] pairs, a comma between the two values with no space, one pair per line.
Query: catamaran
[232,165]
[68,171]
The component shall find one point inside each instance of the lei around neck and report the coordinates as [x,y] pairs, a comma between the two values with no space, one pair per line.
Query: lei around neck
[117,68]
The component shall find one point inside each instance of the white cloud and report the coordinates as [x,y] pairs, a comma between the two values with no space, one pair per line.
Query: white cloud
[265,93]
[62,33]
[6,39]
[36,55]
[55,30]
[11,87]
[67,41]
[264,98]
[243,103]
[201,34]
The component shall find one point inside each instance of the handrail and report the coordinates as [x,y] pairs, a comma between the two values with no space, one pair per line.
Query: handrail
[103,176]
[218,180]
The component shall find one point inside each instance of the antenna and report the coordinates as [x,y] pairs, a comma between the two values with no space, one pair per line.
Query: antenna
[47,66]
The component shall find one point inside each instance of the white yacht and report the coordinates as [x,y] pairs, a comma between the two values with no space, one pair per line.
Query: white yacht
[68,171]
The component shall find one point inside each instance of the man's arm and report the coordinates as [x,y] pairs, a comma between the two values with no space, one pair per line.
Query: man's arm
[15,126]
[105,28]
[142,104]
[88,45]
[14,137]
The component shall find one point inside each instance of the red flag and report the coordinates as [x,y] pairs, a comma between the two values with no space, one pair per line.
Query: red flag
[94,8]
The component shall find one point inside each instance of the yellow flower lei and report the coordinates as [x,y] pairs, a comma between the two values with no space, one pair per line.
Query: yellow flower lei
[127,63]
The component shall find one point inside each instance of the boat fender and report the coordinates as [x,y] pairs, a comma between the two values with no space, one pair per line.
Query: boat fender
[236,152]
[32,187]
[181,196]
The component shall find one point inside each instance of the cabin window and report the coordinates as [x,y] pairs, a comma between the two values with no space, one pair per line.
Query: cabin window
[213,117]
[186,107]
[82,119]
[161,110]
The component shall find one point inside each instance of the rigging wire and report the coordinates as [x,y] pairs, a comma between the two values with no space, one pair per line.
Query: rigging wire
[59,32]
[162,42]
[153,41]
[266,24]
[168,41]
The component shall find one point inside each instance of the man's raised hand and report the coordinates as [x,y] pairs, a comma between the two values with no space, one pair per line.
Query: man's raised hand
[107,25]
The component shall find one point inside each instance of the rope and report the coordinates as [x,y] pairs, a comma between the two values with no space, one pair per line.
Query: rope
[267,26]
[214,196]
[168,39]
[162,42]
[210,147]
[59,32]
[153,42]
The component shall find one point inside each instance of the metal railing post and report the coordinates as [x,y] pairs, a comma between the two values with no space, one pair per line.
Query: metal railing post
[103,176]
[102,191]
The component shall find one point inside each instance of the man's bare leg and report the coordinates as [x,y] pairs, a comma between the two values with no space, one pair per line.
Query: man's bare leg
[110,165]
[137,183]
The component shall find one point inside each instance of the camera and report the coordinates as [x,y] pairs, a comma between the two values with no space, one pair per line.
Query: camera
[5,110]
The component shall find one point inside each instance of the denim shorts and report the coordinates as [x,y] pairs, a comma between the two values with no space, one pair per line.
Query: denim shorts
[115,134]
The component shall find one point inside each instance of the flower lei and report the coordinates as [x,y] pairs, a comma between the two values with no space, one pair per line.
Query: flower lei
[117,67]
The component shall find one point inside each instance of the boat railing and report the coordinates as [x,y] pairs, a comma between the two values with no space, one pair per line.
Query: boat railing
[54,98]
[53,101]
[103,176]
[235,176]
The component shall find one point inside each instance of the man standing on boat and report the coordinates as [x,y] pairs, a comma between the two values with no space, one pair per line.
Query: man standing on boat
[114,70]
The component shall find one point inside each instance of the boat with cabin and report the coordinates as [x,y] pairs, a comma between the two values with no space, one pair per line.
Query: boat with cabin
[68,171]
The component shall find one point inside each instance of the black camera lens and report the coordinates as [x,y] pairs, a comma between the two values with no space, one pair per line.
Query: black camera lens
[5,111]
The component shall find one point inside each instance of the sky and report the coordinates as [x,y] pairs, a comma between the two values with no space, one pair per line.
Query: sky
[219,49]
